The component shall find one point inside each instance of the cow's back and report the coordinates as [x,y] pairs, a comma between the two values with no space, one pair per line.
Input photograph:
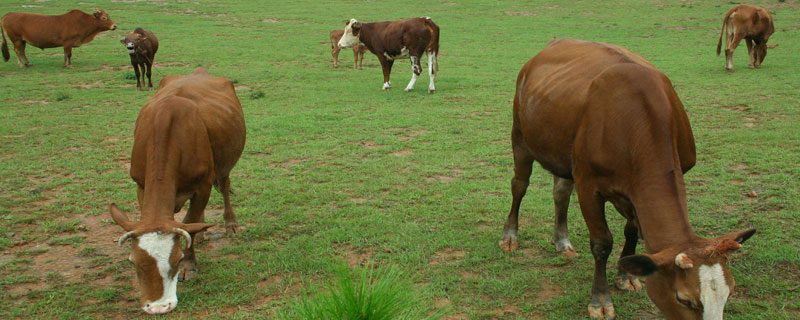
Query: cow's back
[203,108]
[575,85]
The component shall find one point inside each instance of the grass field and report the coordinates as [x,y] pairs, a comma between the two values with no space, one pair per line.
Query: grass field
[337,170]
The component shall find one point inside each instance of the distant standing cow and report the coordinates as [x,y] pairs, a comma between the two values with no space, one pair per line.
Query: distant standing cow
[69,30]
[142,46]
[188,137]
[358,50]
[390,40]
[754,24]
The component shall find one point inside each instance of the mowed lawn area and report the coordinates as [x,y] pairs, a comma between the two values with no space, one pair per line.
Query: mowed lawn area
[336,170]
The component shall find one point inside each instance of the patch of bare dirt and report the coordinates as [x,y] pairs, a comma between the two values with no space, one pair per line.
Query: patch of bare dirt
[507,310]
[520,13]
[355,256]
[36,101]
[402,153]
[358,200]
[170,64]
[286,165]
[270,20]
[241,88]
[369,144]
[547,292]
[95,84]
[447,255]
[440,178]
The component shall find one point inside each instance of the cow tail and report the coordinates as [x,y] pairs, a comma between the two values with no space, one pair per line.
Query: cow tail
[434,48]
[6,55]
[722,33]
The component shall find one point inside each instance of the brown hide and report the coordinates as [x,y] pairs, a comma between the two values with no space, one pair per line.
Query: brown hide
[751,23]
[144,45]
[358,50]
[69,30]
[188,137]
[606,118]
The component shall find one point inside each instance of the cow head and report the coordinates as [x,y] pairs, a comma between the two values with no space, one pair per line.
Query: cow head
[761,51]
[352,34]
[103,21]
[156,254]
[132,41]
[693,282]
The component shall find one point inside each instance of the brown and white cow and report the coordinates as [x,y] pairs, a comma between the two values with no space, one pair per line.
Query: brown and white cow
[142,46]
[605,121]
[390,40]
[358,50]
[751,23]
[69,30]
[188,137]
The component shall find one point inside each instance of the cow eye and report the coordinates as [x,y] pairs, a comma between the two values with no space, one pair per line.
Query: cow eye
[104,18]
[686,302]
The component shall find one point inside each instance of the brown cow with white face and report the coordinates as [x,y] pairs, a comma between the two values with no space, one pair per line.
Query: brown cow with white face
[358,50]
[605,121]
[188,137]
[69,30]
[390,40]
[751,23]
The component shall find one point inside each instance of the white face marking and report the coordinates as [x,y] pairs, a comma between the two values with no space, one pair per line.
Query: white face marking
[714,291]
[348,39]
[159,246]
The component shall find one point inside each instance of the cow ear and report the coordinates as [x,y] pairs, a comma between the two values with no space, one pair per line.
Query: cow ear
[739,237]
[121,218]
[97,14]
[640,265]
[122,41]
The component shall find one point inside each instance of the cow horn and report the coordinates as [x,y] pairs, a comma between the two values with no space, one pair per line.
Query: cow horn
[126,236]
[683,261]
[185,235]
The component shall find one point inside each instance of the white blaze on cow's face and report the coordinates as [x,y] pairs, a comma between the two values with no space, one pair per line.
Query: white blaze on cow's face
[351,35]
[156,256]
[714,291]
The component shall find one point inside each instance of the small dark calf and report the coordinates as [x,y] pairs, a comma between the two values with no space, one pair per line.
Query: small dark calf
[142,46]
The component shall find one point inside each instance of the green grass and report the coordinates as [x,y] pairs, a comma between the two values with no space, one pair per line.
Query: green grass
[366,295]
[334,168]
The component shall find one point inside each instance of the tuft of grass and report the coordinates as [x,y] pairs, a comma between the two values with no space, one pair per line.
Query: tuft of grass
[257,95]
[32,252]
[74,241]
[128,75]
[61,96]
[56,226]
[362,294]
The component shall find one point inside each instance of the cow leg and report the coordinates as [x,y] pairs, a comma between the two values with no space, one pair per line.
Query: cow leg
[19,49]
[433,69]
[149,76]
[335,53]
[355,57]
[361,59]
[138,74]
[601,242]
[523,163]
[750,52]
[196,214]
[729,51]
[415,71]
[68,56]
[624,280]
[386,65]
[231,225]
[562,189]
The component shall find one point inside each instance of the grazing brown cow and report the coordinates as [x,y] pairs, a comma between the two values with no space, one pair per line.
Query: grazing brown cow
[188,137]
[390,40]
[605,121]
[358,50]
[751,23]
[142,46]
[69,30]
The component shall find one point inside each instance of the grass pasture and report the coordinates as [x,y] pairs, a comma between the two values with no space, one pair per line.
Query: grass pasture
[337,170]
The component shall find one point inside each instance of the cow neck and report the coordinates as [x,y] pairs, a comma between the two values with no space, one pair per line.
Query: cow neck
[660,205]
[366,29]
[160,180]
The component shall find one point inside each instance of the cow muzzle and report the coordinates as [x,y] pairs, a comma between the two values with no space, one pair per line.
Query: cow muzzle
[153,308]
[114,27]
[131,47]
